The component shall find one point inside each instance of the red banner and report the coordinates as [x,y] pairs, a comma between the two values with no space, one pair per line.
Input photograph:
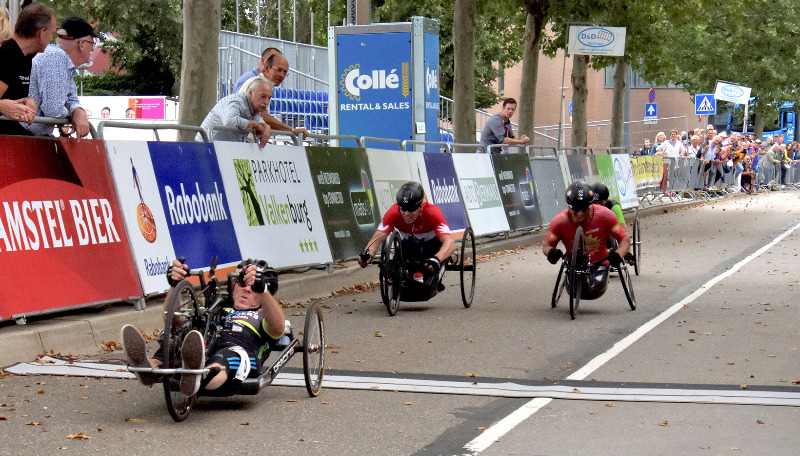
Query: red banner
[62,237]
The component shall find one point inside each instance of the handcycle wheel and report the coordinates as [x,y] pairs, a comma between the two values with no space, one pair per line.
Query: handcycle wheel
[637,243]
[627,285]
[575,273]
[179,319]
[560,285]
[391,277]
[467,263]
[313,349]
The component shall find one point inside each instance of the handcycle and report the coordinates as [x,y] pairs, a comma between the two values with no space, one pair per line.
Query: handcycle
[184,312]
[573,276]
[636,243]
[396,272]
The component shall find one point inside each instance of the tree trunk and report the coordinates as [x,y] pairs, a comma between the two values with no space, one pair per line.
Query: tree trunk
[534,25]
[758,125]
[464,71]
[618,103]
[580,93]
[198,94]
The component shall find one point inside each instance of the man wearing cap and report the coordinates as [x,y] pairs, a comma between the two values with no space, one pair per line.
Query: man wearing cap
[33,30]
[52,76]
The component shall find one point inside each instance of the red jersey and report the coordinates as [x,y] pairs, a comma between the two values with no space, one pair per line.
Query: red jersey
[429,225]
[597,229]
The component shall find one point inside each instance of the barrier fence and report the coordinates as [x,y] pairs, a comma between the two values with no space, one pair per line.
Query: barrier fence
[108,217]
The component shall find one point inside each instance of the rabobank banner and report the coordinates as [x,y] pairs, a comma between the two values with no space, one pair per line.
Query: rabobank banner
[273,205]
[437,174]
[374,85]
[481,196]
[62,238]
[390,170]
[346,195]
[194,202]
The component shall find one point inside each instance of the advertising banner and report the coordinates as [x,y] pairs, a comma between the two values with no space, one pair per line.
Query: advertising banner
[481,197]
[550,188]
[140,202]
[515,182]
[59,216]
[594,40]
[273,205]
[374,85]
[344,190]
[575,167]
[626,183]
[438,177]
[605,174]
[194,202]
[432,90]
[390,170]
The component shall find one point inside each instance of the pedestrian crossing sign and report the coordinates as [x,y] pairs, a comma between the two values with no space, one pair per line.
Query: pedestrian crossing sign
[705,103]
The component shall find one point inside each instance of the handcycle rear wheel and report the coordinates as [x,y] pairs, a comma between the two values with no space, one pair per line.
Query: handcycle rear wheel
[391,275]
[313,349]
[468,263]
[179,319]
[575,273]
[627,285]
[560,285]
[636,242]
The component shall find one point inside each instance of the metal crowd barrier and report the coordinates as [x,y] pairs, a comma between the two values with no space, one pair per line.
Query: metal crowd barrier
[56,121]
[364,140]
[102,125]
[327,138]
[275,133]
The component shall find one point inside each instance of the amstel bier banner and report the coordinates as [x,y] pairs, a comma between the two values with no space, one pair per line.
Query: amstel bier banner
[62,238]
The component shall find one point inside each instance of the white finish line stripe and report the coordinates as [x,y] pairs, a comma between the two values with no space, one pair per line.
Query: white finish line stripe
[503,426]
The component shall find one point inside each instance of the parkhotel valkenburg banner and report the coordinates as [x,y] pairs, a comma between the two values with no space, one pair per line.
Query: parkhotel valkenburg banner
[596,40]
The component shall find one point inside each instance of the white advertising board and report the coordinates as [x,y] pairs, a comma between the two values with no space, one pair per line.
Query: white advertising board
[594,40]
[480,192]
[626,184]
[390,170]
[272,203]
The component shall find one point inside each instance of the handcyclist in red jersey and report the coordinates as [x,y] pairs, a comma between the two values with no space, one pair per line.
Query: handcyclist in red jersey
[424,230]
[599,224]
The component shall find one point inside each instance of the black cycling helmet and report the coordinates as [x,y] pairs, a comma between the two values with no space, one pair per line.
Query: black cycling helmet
[410,196]
[579,196]
[601,192]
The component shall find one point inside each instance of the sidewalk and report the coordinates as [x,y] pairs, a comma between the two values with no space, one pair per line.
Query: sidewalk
[83,332]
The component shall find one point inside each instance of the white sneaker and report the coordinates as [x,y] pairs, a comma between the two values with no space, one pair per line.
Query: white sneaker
[193,355]
[135,349]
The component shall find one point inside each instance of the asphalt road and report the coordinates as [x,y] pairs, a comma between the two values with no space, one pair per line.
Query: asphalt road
[726,310]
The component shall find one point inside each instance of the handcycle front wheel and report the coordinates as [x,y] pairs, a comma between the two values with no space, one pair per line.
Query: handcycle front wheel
[627,285]
[179,318]
[636,242]
[391,272]
[313,349]
[560,285]
[575,274]
[468,264]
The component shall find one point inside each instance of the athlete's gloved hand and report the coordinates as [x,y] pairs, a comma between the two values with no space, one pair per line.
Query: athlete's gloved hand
[554,254]
[364,258]
[266,279]
[433,264]
[614,258]
[177,271]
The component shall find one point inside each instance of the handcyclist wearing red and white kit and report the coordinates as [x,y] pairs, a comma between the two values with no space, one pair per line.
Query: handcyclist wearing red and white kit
[425,233]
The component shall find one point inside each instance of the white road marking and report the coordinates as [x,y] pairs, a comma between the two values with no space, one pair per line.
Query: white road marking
[493,433]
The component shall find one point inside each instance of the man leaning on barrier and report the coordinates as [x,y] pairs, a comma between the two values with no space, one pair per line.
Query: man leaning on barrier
[241,110]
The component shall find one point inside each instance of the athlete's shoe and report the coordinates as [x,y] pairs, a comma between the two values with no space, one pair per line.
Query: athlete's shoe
[193,355]
[135,349]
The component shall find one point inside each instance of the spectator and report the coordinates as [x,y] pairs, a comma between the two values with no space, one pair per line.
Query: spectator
[276,68]
[648,149]
[5,29]
[748,175]
[33,30]
[130,113]
[497,129]
[673,147]
[261,68]
[738,155]
[695,148]
[773,157]
[105,113]
[53,73]
[660,138]
[243,111]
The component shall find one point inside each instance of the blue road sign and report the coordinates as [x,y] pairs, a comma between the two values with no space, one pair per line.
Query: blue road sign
[570,107]
[705,103]
[651,110]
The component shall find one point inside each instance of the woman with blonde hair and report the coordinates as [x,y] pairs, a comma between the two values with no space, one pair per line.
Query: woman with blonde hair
[660,138]
[5,28]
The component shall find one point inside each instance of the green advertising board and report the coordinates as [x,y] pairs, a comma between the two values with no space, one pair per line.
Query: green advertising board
[605,171]
[343,185]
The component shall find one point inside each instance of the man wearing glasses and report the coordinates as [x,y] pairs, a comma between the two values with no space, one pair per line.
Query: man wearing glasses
[599,225]
[253,320]
[424,230]
[52,83]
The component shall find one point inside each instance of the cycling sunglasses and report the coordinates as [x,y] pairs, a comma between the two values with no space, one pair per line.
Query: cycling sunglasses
[409,208]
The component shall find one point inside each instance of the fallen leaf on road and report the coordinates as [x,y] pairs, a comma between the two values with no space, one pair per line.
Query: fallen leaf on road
[246,423]
[744,387]
[469,374]
[78,436]
[481,428]
[33,423]
[610,404]
[378,334]
[40,392]
[4,417]
[663,423]
[409,403]
[759,422]
[576,390]
[734,448]
[136,420]
[291,400]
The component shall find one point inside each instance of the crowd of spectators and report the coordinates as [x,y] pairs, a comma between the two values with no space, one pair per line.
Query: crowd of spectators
[719,153]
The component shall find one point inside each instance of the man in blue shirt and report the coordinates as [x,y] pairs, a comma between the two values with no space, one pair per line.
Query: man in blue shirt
[497,129]
[262,64]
